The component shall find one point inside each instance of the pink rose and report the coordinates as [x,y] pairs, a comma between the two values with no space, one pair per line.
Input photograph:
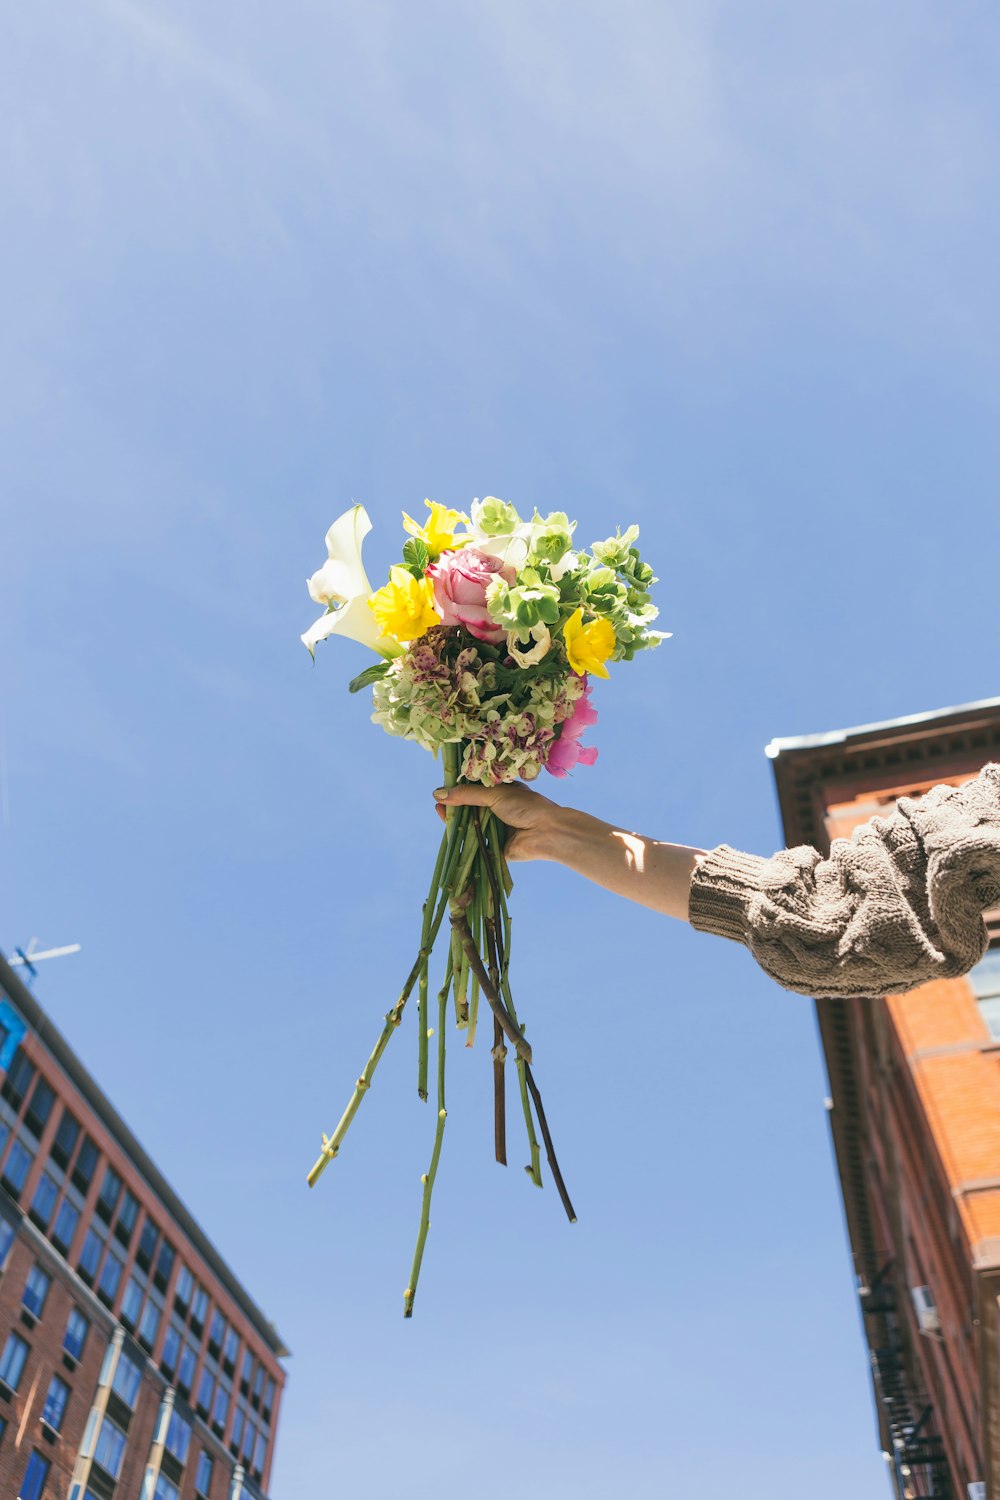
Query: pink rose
[460,581]
[567,751]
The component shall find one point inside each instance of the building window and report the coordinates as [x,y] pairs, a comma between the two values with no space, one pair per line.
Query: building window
[18,1080]
[55,1403]
[15,1352]
[131,1302]
[985,981]
[8,1234]
[86,1164]
[147,1244]
[66,1138]
[258,1381]
[109,1448]
[178,1438]
[107,1199]
[90,1255]
[269,1398]
[111,1275]
[44,1200]
[231,1349]
[215,1332]
[36,1289]
[248,1436]
[220,1409]
[260,1448]
[150,1323]
[198,1310]
[128,1378]
[38,1111]
[164,1265]
[67,1219]
[183,1289]
[185,1375]
[35,1476]
[127,1217]
[206,1385]
[164,1489]
[171,1348]
[203,1478]
[239,1417]
[76,1333]
[17,1168]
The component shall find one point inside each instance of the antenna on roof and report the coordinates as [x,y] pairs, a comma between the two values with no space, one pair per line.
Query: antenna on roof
[30,956]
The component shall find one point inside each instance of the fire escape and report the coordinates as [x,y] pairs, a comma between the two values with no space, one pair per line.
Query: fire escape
[916,1454]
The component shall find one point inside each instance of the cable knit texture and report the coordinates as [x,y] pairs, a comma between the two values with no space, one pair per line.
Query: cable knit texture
[898,903]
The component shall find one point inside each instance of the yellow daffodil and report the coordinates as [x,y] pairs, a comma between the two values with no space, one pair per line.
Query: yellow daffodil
[405,608]
[588,646]
[439,534]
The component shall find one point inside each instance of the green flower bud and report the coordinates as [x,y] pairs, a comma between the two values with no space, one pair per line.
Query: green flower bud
[494,517]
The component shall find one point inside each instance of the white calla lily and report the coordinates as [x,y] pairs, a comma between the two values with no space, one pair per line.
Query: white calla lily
[529,646]
[342,585]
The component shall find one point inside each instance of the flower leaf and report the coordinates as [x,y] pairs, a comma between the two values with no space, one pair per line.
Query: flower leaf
[367,677]
[416,556]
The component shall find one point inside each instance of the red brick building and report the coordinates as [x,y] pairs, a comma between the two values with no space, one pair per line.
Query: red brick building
[915,1115]
[133,1363]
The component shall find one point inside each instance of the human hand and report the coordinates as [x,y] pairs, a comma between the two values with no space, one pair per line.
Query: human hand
[530,816]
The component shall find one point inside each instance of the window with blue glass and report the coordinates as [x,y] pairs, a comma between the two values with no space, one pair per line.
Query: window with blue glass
[90,1255]
[147,1244]
[128,1378]
[131,1302]
[110,1447]
[127,1216]
[44,1200]
[239,1417]
[183,1289]
[150,1322]
[17,1168]
[18,1080]
[248,1437]
[216,1331]
[185,1374]
[203,1477]
[260,1448]
[231,1348]
[269,1398]
[66,1138]
[164,1265]
[65,1226]
[8,1234]
[35,1476]
[39,1107]
[164,1489]
[107,1198]
[198,1309]
[15,1352]
[178,1438]
[86,1164]
[111,1275]
[221,1408]
[36,1289]
[985,981]
[76,1333]
[3,1427]
[171,1348]
[206,1386]
[55,1402]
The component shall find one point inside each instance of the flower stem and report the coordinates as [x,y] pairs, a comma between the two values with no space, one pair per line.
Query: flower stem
[461,925]
[549,1148]
[425,949]
[431,1173]
[534,1169]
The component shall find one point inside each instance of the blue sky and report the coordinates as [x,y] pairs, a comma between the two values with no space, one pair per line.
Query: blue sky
[725,270]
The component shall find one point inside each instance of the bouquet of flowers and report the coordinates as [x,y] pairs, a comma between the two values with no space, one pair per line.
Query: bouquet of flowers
[488,634]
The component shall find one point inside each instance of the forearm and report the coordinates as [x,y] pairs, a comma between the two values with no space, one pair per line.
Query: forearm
[654,874]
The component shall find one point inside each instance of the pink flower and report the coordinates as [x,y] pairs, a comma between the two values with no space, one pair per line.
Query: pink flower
[460,581]
[567,751]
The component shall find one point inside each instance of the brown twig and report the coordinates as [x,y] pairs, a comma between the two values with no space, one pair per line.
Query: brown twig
[549,1149]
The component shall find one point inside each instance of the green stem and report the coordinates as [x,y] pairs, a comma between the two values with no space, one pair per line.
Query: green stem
[511,1031]
[431,1173]
[425,947]
[534,1169]
[476,923]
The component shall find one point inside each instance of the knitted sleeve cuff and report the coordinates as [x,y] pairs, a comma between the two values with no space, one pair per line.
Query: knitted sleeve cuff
[722,885]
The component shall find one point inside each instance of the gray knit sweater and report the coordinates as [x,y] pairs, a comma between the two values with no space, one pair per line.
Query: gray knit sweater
[898,903]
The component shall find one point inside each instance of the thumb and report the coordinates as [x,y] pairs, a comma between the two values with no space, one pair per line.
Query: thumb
[467,796]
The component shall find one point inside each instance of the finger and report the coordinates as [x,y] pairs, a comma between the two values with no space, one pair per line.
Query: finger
[441,812]
[467,796]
